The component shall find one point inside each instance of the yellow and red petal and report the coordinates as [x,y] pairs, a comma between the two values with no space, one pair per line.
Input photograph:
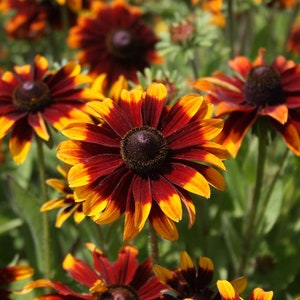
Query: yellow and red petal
[13,273]
[163,273]
[227,291]
[241,65]
[58,185]
[166,196]
[279,113]
[205,271]
[181,113]
[37,122]
[40,67]
[53,204]
[186,263]
[260,294]
[80,270]
[8,121]
[153,104]
[188,179]
[97,166]
[97,134]
[111,112]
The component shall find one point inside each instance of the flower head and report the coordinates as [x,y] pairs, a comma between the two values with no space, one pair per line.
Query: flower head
[10,274]
[228,292]
[144,159]
[66,203]
[189,282]
[114,41]
[32,97]
[122,279]
[32,18]
[258,91]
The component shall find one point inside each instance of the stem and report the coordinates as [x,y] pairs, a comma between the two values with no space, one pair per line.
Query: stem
[44,198]
[269,193]
[154,252]
[249,233]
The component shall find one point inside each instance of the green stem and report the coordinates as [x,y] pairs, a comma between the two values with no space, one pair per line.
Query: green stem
[249,233]
[154,252]
[270,191]
[44,198]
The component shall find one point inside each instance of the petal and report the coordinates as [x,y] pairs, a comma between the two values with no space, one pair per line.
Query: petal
[226,290]
[131,102]
[181,113]
[260,294]
[13,273]
[40,67]
[80,270]
[91,133]
[189,179]
[8,121]
[241,65]
[166,196]
[111,112]
[154,102]
[239,284]
[279,113]
[205,272]
[96,166]
[20,142]
[187,268]
[37,122]
[53,204]
[163,273]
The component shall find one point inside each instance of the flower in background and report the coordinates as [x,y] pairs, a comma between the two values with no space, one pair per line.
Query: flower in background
[32,18]
[32,97]
[122,279]
[187,282]
[10,274]
[259,90]
[114,41]
[293,43]
[215,7]
[228,292]
[67,203]
[144,159]
[76,5]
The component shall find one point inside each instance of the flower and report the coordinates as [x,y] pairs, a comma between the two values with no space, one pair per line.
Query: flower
[67,202]
[32,97]
[10,274]
[258,91]
[114,41]
[188,283]
[144,159]
[228,292]
[122,279]
[31,19]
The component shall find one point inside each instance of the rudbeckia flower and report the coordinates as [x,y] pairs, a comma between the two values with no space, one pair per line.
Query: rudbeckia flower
[10,274]
[32,97]
[144,159]
[258,90]
[67,204]
[189,282]
[114,40]
[31,19]
[122,279]
[228,292]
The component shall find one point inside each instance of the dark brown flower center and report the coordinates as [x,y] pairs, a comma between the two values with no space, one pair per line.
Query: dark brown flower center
[144,149]
[122,44]
[31,96]
[119,292]
[263,87]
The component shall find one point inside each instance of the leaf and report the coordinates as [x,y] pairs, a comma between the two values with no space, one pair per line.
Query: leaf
[28,208]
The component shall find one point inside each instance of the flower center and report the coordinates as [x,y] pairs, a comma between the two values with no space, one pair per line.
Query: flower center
[144,149]
[31,96]
[263,87]
[119,292]
[122,44]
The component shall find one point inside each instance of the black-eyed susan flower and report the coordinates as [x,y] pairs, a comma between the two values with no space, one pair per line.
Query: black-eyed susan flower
[33,98]
[10,274]
[189,282]
[228,292]
[32,19]
[114,40]
[125,278]
[66,203]
[144,159]
[258,90]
